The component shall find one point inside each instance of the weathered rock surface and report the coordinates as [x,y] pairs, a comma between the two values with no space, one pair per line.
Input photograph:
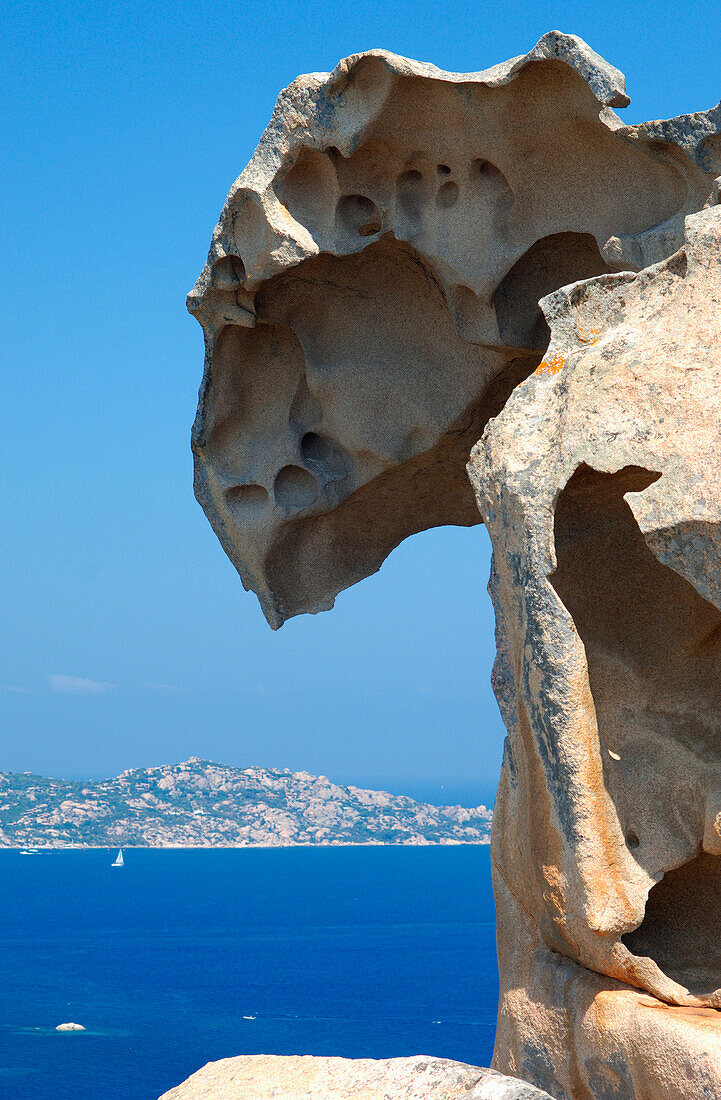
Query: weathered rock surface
[371,293]
[599,484]
[262,1077]
[206,805]
[371,308]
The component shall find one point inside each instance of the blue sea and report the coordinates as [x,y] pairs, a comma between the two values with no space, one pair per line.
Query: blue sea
[186,956]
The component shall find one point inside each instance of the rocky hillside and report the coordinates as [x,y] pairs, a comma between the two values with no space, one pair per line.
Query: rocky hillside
[201,804]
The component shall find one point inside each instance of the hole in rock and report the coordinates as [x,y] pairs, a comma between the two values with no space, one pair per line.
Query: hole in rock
[443,170]
[550,263]
[652,649]
[228,273]
[681,930]
[295,487]
[247,500]
[314,447]
[411,191]
[359,214]
[309,190]
[325,454]
[447,195]
[491,181]
[248,365]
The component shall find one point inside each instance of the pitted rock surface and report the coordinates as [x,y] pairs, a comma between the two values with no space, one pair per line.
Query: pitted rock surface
[371,293]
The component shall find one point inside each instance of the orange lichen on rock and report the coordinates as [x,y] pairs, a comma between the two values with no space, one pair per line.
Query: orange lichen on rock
[552,365]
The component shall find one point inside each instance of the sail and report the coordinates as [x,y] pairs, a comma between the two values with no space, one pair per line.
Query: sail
[119,861]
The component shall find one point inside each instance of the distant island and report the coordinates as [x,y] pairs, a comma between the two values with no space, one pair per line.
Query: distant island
[199,804]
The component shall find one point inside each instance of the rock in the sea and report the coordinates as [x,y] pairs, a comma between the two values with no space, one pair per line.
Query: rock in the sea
[265,1076]
[70,1027]
[371,309]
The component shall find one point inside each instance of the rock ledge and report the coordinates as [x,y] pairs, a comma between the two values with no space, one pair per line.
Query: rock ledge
[262,1076]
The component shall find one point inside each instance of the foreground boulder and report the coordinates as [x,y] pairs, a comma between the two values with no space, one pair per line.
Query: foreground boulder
[383,291]
[263,1076]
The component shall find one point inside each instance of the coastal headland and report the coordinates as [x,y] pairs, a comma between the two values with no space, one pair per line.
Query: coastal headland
[200,804]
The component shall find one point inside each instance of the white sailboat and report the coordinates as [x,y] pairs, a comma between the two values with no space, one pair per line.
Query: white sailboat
[119,861]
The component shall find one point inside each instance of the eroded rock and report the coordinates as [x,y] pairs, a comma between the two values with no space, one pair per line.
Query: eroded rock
[370,306]
[599,485]
[371,294]
[262,1076]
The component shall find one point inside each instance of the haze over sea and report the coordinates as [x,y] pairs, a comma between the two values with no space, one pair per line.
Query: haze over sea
[185,956]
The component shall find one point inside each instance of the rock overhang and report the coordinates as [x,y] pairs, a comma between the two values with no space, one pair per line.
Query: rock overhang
[371,294]
[371,311]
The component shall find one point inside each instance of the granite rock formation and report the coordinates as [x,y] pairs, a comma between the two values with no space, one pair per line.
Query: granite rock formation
[371,293]
[200,804]
[383,290]
[599,485]
[261,1077]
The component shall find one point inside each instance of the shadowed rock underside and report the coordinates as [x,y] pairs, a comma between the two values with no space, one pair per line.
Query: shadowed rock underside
[371,294]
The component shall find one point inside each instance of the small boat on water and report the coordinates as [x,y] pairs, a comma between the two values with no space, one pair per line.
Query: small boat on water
[119,861]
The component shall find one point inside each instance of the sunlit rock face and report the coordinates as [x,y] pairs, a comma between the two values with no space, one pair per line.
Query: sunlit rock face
[371,293]
[599,483]
[270,1077]
[372,309]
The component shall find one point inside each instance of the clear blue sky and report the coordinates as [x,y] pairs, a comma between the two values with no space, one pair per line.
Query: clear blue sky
[123,127]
